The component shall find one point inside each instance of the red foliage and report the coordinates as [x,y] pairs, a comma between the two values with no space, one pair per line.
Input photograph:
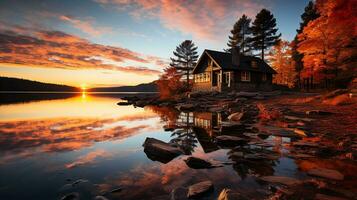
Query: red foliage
[169,83]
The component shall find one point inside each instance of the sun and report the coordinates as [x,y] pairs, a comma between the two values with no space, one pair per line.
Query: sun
[83,86]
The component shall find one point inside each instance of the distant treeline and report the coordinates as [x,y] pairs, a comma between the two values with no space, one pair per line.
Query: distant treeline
[16,84]
[145,87]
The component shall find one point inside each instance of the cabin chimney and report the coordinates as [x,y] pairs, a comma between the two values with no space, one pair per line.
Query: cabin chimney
[235,55]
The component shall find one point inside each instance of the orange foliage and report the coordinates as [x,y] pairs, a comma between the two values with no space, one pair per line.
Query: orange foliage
[267,115]
[280,58]
[328,42]
[339,100]
[169,83]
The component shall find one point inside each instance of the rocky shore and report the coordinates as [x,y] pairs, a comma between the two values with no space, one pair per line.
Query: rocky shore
[248,120]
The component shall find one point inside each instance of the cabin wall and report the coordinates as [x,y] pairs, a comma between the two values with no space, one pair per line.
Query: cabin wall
[255,83]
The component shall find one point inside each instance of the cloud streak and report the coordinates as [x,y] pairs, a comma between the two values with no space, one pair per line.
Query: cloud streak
[56,49]
[203,19]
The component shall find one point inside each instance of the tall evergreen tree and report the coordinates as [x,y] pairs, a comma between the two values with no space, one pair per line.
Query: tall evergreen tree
[240,34]
[309,14]
[264,31]
[185,58]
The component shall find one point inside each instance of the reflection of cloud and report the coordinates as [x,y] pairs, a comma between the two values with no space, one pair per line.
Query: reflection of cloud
[88,158]
[55,49]
[204,19]
[24,138]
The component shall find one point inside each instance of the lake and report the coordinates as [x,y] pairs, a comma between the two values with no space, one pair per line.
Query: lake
[86,144]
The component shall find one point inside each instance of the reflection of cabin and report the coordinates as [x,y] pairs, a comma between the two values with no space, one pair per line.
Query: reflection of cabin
[221,71]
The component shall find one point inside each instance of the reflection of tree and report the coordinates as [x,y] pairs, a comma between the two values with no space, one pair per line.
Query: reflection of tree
[185,139]
[167,114]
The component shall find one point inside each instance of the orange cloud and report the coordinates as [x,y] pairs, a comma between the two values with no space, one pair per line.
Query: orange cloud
[57,49]
[85,25]
[203,19]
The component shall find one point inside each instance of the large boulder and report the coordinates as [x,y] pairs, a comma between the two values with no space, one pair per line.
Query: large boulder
[199,189]
[326,173]
[158,150]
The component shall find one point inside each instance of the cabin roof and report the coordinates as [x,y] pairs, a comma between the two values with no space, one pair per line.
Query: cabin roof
[224,61]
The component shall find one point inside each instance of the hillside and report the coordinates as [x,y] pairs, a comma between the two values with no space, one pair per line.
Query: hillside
[16,84]
[145,87]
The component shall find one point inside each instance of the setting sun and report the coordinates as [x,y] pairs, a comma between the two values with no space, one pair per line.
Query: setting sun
[83,86]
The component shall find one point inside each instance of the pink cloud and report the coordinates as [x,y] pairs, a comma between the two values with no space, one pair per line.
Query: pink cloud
[85,25]
[203,19]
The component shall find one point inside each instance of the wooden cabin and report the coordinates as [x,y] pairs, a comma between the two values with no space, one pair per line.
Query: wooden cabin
[222,71]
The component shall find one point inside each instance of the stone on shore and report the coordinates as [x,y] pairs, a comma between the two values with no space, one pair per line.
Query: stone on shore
[326,173]
[327,197]
[199,189]
[158,150]
[179,194]
[318,112]
[281,180]
[188,106]
[293,118]
[237,116]
[199,163]
[227,140]
[71,196]
[227,194]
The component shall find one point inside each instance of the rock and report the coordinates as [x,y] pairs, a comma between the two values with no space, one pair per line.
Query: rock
[327,197]
[199,163]
[227,194]
[116,190]
[301,156]
[281,180]
[305,144]
[240,99]
[179,194]
[293,118]
[123,103]
[71,196]
[227,140]
[100,198]
[247,94]
[79,181]
[199,189]
[301,132]
[326,173]
[259,97]
[318,112]
[158,150]
[235,116]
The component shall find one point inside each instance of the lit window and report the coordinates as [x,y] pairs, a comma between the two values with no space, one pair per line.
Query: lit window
[254,64]
[245,76]
[264,77]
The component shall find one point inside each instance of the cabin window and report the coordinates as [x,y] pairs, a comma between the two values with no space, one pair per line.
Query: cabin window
[245,76]
[264,77]
[203,77]
[227,78]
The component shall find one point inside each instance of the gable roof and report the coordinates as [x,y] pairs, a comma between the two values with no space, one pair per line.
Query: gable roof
[224,61]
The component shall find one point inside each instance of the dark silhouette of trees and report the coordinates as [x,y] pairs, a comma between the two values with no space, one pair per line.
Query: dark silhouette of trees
[185,59]
[16,84]
[264,31]
[309,14]
[170,84]
[240,35]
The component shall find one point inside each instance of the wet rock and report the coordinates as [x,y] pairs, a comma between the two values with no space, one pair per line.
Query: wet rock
[318,112]
[158,150]
[100,198]
[124,103]
[327,197]
[185,106]
[240,100]
[227,140]
[71,196]
[179,194]
[236,116]
[78,182]
[281,180]
[293,118]
[199,163]
[116,190]
[305,144]
[199,189]
[326,173]
[247,94]
[301,156]
[301,132]
[227,194]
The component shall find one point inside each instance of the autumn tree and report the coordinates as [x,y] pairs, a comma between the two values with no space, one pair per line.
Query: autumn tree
[309,14]
[281,61]
[170,84]
[329,42]
[264,31]
[185,58]
[240,35]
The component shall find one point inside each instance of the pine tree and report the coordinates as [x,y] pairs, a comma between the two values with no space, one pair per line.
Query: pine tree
[240,34]
[264,31]
[185,58]
[309,14]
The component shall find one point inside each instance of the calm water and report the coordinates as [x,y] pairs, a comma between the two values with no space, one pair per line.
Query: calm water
[89,145]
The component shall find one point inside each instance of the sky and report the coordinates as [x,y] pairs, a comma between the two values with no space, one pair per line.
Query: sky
[100,43]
